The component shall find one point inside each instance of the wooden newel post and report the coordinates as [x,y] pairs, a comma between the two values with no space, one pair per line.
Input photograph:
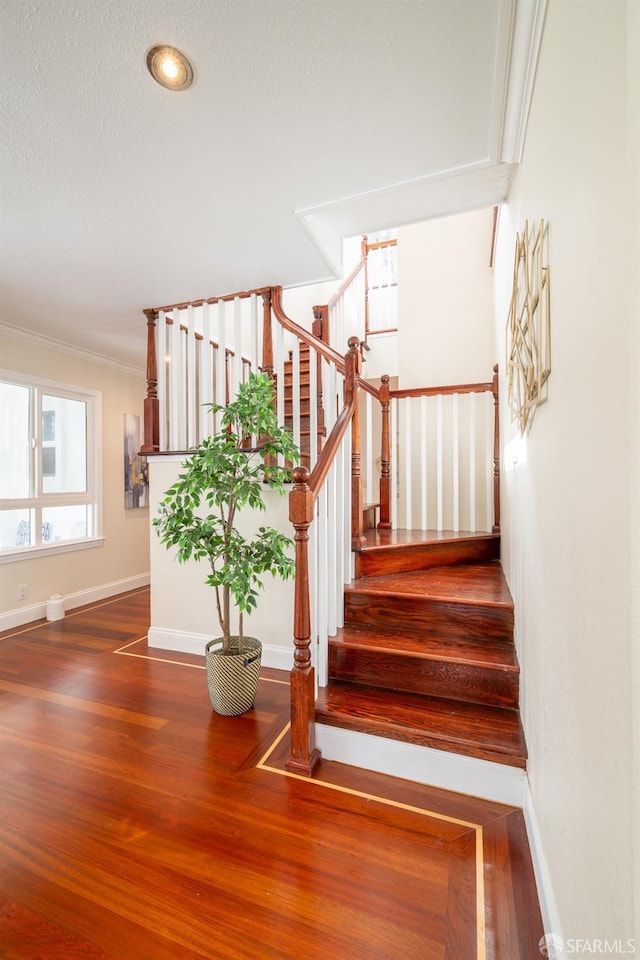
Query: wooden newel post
[320,329]
[151,408]
[304,753]
[267,337]
[352,371]
[385,458]
[496,452]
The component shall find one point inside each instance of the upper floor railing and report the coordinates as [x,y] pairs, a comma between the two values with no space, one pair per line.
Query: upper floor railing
[366,302]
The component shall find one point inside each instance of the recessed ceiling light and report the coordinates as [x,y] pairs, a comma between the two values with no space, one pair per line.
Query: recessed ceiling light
[169,68]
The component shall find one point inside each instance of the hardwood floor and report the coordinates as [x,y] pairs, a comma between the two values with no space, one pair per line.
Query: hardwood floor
[136,824]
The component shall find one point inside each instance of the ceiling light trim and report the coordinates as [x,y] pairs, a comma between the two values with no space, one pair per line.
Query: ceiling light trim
[169,67]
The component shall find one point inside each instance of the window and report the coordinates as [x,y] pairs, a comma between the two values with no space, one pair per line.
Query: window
[49,496]
[382,282]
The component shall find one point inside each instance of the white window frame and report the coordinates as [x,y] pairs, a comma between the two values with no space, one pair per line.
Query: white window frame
[92,497]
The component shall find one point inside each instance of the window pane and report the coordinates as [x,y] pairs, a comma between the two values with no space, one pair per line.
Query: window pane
[64,445]
[65,523]
[16,529]
[14,441]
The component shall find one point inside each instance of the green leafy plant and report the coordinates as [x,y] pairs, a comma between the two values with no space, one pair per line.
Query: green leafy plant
[223,474]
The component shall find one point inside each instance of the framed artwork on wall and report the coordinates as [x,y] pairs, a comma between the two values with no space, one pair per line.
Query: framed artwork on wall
[136,475]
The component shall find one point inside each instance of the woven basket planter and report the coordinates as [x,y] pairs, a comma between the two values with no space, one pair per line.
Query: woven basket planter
[233,677]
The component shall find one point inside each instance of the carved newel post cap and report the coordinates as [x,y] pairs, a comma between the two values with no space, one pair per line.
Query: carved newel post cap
[301,476]
[354,343]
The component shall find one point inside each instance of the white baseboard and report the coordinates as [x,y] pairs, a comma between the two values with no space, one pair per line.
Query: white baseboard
[281,658]
[37,611]
[548,906]
[450,771]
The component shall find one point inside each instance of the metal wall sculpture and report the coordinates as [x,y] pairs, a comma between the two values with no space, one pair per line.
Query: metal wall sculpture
[528,327]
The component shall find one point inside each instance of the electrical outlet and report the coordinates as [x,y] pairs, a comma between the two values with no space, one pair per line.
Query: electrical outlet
[22,591]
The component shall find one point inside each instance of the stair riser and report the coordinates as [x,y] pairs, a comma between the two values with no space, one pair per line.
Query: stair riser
[435,678]
[381,561]
[422,737]
[401,612]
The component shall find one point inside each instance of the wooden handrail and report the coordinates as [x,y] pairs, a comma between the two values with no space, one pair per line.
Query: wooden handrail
[382,243]
[445,391]
[241,295]
[333,299]
[304,754]
[323,348]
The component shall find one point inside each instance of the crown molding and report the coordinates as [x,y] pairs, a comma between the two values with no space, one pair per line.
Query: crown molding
[520,32]
[69,349]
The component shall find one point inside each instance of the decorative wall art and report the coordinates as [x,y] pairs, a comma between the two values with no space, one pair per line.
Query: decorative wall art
[136,475]
[528,327]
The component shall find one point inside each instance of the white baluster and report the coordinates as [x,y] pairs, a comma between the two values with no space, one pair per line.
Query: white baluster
[424,479]
[163,362]
[313,595]
[456,465]
[237,345]
[332,515]
[206,393]
[323,575]
[345,526]
[394,463]
[439,460]
[255,341]
[488,471]
[176,382]
[472,462]
[408,506]
[369,493]
[221,361]
[192,377]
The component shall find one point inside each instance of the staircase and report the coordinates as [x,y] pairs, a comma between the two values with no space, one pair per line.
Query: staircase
[304,404]
[426,654]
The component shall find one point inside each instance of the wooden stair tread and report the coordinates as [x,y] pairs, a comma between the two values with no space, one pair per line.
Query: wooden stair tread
[482,584]
[489,652]
[381,539]
[486,732]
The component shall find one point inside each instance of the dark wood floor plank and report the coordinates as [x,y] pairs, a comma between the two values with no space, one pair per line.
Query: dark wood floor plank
[136,823]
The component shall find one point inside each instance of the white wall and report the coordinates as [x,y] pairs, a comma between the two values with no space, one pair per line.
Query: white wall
[633,159]
[183,614]
[445,301]
[566,503]
[124,556]
[298,302]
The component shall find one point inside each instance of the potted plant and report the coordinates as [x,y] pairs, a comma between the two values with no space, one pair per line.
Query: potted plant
[199,514]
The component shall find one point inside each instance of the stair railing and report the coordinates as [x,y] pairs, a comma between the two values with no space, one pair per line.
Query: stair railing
[198,353]
[319,509]
[439,464]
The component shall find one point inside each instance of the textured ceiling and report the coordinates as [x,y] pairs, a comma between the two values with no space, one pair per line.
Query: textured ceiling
[308,120]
